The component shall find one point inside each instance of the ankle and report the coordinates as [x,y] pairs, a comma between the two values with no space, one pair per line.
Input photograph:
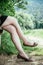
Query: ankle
[23,55]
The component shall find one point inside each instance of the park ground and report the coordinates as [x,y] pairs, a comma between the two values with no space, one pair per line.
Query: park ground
[12,60]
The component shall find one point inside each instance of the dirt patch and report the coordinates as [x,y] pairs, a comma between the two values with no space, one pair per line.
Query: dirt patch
[12,60]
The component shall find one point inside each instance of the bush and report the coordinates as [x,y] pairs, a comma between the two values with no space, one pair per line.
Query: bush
[7,45]
[25,20]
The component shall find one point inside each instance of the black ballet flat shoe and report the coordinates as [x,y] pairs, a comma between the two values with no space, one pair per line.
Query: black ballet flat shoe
[25,59]
[35,44]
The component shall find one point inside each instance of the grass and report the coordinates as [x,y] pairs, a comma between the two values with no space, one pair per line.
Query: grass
[36,33]
[8,46]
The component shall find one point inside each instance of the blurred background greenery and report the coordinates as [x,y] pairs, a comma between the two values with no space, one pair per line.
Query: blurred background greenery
[29,14]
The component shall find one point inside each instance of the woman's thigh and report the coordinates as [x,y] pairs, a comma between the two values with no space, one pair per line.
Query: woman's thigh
[10,20]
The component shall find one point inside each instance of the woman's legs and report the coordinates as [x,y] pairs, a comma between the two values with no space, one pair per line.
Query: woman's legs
[21,35]
[15,38]
[14,22]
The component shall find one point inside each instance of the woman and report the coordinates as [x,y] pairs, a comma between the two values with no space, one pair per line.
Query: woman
[11,25]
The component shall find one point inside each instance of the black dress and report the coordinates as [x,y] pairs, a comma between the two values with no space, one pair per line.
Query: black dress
[2,19]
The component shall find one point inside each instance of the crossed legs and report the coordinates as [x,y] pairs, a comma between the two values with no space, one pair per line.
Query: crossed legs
[13,21]
[11,25]
[15,38]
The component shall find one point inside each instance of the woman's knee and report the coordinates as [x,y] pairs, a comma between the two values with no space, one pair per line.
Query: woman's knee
[13,29]
[10,28]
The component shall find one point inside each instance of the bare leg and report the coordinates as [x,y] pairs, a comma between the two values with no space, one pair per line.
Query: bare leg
[14,22]
[21,35]
[15,38]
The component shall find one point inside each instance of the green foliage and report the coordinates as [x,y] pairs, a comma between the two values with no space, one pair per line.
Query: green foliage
[7,45]
[28,21]
[9,48]
[7,7]
[22,4]
[35,32]
[25,20]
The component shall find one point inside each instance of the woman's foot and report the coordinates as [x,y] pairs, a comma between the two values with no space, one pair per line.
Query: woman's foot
[25,59]
[31,45]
